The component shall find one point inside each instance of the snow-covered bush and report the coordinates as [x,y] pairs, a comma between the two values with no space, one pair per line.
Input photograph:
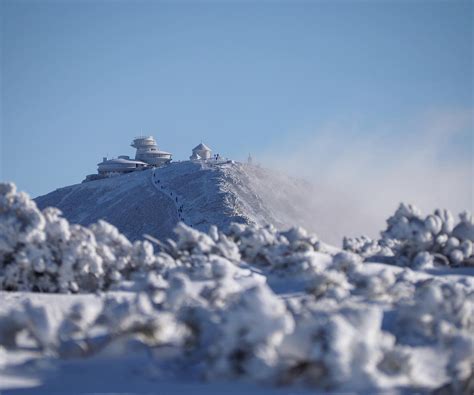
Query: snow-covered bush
[367,247]
[247,331]
[441,315]
[343,348]
[283,252]
[421,242]
[438,310]
[250,331]
[224,328]
[41,251]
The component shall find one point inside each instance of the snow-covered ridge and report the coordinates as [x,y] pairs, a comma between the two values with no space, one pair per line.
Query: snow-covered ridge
[210,193]
[251,303]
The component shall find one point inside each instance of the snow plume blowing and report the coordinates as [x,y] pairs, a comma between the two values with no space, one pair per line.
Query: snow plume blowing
[361,175]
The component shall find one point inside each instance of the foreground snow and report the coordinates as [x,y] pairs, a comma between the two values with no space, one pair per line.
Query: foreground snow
[249,310]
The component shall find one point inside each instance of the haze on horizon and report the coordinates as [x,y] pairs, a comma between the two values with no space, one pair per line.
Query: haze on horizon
[372,102]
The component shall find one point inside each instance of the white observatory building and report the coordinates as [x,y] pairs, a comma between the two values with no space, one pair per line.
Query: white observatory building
[201,152]
[148,151]
[123,164]
[148,155]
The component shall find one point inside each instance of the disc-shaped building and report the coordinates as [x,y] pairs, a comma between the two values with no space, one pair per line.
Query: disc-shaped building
[147,155]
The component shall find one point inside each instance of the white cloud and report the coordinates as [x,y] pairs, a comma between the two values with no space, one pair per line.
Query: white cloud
[360,175]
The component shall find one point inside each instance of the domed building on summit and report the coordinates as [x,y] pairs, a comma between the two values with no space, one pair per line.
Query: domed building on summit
[201,152]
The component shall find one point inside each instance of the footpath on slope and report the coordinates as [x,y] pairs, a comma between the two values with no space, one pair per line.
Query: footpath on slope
[161,187]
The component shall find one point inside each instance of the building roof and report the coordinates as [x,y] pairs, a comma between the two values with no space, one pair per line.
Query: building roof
[144,138]
[143,142]
[201,147]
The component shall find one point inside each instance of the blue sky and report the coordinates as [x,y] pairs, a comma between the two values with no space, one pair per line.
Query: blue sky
[81,78]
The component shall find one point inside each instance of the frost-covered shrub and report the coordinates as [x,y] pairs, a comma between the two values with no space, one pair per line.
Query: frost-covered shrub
[20,220]
[441,315]
[277,251]
[421,242]
[86,330]
[251,328]
[341,348]
[30,318]
[438,310]
[41,251]
[329,284]
[223,327]
[367,247]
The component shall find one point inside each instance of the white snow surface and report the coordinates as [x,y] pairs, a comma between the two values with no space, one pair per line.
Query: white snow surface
[247,309]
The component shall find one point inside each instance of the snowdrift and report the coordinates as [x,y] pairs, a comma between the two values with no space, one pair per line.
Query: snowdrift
[251,303]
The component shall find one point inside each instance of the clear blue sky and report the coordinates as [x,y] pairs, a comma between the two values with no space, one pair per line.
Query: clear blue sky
[81,78]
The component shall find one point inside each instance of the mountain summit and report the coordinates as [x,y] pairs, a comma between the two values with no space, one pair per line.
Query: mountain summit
[197,193]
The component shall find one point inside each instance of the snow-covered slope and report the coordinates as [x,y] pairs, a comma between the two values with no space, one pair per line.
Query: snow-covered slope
[130,202]
[200,194]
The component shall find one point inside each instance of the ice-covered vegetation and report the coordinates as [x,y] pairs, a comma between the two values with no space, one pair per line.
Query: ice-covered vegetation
[421,242]
[207,304]
[41,251]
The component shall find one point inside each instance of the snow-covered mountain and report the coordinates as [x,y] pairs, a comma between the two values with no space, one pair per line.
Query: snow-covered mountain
[197,193]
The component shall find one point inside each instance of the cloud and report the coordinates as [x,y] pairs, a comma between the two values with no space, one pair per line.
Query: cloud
[360,174]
